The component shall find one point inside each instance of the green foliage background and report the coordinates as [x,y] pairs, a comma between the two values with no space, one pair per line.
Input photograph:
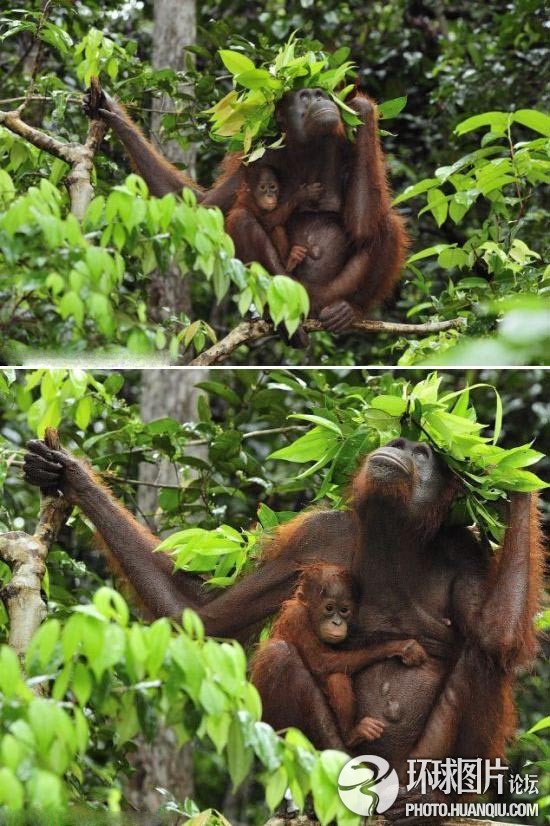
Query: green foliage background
[469,154]
[104,668]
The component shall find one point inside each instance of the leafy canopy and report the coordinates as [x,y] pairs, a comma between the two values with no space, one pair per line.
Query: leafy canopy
[449,423]
[242,117]
[108,679]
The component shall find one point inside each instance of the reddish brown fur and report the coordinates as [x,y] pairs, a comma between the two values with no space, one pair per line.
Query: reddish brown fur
[472,613]
[246,202]
[258,232]
[331,666]
[362,261]
[476,713]
[362,487]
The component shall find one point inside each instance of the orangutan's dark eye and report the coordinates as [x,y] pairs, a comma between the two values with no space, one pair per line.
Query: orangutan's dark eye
[398,443]
[422,452]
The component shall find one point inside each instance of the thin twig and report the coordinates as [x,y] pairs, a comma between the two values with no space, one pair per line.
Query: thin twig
[111,477]
[38,54]
[77,100]
[249,331]
[516,178]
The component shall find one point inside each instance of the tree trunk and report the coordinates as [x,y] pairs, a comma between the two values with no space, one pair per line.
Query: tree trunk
[175,28]
[166,393]
[161,764]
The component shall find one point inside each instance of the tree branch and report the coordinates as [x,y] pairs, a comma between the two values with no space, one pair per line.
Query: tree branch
[249,331]
[79,180]
[80,157]
[26,557]
[13,122]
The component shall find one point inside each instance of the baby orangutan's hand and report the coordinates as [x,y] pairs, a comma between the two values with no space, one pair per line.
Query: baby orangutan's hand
[367,729]
[413,653]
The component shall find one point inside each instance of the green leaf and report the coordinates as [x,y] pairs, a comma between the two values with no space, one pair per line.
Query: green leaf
[393,405]
[276,787]
[307,448]
[427,252]
[111,605]
[43,643]
[82,683]
[11,682]
[236,62]
[216,388]
[339,56]
[498,121]
[540,725]
[72,305]
[324,784]
[453,257]
[239,756]
[534,119]
[266,745]
[212,698]
[438,205]
[83,412]
[12,793]
[288,302]
[320,420]
[45,791]
[257,79]
[416,189]
[391,108]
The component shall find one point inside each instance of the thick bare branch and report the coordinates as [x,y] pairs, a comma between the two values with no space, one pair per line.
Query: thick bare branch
[79,156]
[79,180]
[65,151]
[248,331]
[26,557]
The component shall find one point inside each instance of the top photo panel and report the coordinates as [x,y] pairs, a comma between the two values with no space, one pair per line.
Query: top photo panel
[299,183]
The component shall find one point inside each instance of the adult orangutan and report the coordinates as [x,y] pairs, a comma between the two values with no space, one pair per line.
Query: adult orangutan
[356,243]
[419,579]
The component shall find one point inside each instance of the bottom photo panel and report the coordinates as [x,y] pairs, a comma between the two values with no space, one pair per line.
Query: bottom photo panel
[250,597]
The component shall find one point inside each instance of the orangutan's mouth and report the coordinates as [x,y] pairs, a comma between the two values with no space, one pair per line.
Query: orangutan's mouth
[326,110]
[334,637]
[383,458]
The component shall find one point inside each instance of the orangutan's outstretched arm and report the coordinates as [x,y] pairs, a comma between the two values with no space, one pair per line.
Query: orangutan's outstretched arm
[162,592]
[231,613]
[160,176]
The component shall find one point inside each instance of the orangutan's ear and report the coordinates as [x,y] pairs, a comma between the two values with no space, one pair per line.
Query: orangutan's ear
[301,597]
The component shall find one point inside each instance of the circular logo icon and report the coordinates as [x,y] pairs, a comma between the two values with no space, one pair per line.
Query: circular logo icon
[368,785]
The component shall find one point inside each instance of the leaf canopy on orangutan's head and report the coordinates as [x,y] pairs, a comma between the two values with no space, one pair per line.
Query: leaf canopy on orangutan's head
[246,115]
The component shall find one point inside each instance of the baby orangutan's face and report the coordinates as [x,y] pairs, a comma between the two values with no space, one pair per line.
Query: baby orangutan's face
[266,191]
[331,616]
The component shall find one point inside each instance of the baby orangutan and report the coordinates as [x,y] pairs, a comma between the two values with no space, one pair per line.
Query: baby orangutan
[258,212]
[315,621]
